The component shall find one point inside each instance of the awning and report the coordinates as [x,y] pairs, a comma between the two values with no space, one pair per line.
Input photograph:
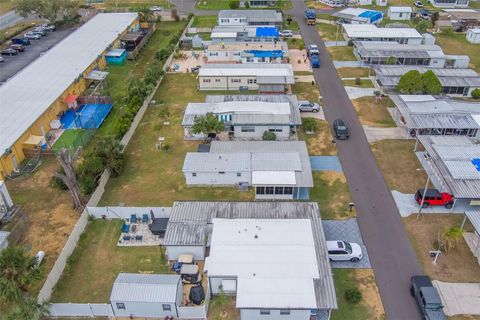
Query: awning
[34,140]
[273,178]
[474,217]
[71,98]
[97,75]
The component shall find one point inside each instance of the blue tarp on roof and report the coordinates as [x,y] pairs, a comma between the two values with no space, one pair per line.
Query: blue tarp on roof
[476,163]
[266,53]
[266,32]
[372,16]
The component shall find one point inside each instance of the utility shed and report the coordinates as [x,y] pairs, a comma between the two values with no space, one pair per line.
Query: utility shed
[146,295]
[473,36]
[399,13]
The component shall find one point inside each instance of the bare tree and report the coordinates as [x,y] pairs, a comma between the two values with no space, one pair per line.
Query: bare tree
[66,160]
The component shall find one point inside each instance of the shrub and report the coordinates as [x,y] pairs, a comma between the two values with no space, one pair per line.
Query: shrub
[234,4]
[309,124]
[174,14]
[447,31]
[410,83]
[247,4]
[476,94]
[358,81]
[269,136]
[430,83]
[353,295]
[301,46]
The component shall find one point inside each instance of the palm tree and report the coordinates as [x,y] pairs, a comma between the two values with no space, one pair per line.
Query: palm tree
[17,271]
[145,14]
[450,237]
[29,309]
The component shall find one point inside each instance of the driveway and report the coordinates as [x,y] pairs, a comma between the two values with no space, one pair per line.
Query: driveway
[9,19]
[459,298]
[407,205]
[325,163]
[346,230]
[391,254]
[375,134]
[357,92]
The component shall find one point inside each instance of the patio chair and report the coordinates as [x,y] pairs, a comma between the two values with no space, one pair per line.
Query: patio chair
[145,218]
[138,238]
[125,228]
[133,218]
[126,238]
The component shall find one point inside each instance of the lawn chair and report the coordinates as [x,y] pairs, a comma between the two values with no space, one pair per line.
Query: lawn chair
[126,238]
[125,228]
[145,218]
[133,218]
[138,238]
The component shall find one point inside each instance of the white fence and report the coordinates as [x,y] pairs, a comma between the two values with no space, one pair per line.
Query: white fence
[80,310]
[57,269]
[126,212]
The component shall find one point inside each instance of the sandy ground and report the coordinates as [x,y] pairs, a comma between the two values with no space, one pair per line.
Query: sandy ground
[295,56]
[188,61]
[370,294]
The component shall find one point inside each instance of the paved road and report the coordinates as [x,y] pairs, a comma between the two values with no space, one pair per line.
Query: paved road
[391,253]
[9,19]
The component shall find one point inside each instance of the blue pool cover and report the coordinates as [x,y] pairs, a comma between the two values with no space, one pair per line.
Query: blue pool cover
[87,116]
[266,53]
[266,32]
[372,16]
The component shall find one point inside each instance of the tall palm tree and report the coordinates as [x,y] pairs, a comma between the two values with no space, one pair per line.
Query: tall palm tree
[29,309]
[17,271]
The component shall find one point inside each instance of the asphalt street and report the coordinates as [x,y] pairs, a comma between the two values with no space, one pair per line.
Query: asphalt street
[391,253]
[9,19]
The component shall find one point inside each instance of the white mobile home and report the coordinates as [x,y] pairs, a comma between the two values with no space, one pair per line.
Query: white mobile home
[399,13]
[270,255]
[358,16]
[276,169]
[250,18]
[258,113]
[473,36]
[247,52]
[369,32]
[146,295]
[449,3]
[266,78]
[232,34]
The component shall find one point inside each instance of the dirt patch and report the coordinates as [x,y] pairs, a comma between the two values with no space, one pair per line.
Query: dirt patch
[332,194]
[333,176]
[373,112]
[371,297]
[299,60]
[456,265]
[223,308]
[319,143]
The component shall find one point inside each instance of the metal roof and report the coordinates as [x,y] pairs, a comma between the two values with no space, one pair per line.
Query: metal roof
[448,159]
[370,31]
[203,213]
[276,162]
[216,162]
[388,49]
[400,9]
[150,288]
[423,112]
[252,15]
[275,72]
[185,234]
[474,217]
[26,96]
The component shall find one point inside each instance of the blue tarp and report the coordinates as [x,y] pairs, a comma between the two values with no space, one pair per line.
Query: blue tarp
[266,32]
[372,16]
[476,163]
[266,53]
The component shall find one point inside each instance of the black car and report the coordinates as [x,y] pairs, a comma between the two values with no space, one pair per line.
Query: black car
[427,298]
[9,52]
[340,129]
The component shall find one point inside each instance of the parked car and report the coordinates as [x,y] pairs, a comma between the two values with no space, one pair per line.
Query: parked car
[340,129]
[2,59]
[418,4]
[307,106]
[339,250]
[427,298]
[286,33]
[23,41]
[156,8]
[313,49]
[424,14]
[9,52]
[18,47]
[32,36]
[48,27]
[433,197]
[40,32]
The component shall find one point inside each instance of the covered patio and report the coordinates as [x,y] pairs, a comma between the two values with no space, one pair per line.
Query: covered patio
[473,238]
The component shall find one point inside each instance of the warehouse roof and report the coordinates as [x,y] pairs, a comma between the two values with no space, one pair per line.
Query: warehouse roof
[426,111]
[272,71]
[453,162]
[369,31]
[305,224]
[26,96]
[134,287]
[389,76]
[252,15]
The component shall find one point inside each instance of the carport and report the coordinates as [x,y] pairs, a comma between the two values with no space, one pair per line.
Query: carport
[473,238]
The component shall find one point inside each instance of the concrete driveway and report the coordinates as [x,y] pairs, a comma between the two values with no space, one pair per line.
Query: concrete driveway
[459,298]
[375,134]
[391,254]
[357,92]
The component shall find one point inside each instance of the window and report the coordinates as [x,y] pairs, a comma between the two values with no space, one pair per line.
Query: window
[264,312]
[224,20]
[221,172]
[288,190]
[120,306]
[278,190]
[247,129]
[239,174]
[194,174]
[275,129]
[206,80]
[284,312]
[260,190]
[252,81]
[217,80]
[166,307]
[235,80]
[269,190]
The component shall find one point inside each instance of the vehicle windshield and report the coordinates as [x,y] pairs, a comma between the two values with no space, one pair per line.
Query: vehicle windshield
[342,128]
[434,306]
[348,247]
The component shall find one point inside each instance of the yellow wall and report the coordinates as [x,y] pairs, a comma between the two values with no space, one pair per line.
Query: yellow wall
[77,87]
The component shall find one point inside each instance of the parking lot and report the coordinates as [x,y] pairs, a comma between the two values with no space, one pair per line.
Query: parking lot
[13,64]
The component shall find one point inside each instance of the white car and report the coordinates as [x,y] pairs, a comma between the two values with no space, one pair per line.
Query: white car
[307,106]
[156,8]
[32,36]
[339,250]
[312,49]
[287,33]
[418,4]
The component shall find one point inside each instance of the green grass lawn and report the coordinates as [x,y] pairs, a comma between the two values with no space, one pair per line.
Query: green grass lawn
[332,194]
[293,25]
[153,177]
[341,53]
[407,22]
[306,91]
[73,139]
[97,260]
[294,43]
[374,113]
[329,32]
[363,83]
[204,21]
[352,72]
[224,4]
[456,43]
[112,4]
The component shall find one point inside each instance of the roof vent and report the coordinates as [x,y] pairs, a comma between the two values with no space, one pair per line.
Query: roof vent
[256,236]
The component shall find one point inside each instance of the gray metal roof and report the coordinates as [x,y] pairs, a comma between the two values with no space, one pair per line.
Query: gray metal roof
[448,159]
[474,217]
[252,15]
[202,213]
[437,113]
[266,73]
[215,162]
[389,76]
[135,287]
[386,49]
[185,234]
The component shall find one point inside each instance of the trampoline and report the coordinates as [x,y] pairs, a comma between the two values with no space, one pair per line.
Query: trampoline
[87,116]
